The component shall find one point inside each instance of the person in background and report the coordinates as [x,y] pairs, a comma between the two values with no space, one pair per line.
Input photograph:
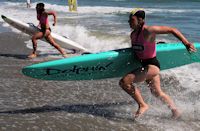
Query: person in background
[45,30]
[144,46]
[28,3]
[72,5]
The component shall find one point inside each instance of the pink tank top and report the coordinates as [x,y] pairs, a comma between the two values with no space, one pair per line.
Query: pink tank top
[42,19]
[143,49]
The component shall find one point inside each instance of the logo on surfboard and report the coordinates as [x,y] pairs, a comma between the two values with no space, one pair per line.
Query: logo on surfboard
[76,70]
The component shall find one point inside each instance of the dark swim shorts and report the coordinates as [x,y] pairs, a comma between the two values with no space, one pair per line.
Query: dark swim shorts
[145,63]
[151,61]
[43,30]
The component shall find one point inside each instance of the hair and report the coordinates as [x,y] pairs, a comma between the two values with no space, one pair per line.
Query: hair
[139,13]
[40,5]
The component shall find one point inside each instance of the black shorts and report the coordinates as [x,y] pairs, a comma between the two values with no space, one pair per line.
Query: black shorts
[43,30]
[151,61]
[144,68]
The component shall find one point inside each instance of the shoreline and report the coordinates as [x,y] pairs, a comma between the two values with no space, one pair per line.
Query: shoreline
[14,44]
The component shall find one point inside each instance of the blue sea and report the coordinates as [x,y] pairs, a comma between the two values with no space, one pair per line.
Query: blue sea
[98,25]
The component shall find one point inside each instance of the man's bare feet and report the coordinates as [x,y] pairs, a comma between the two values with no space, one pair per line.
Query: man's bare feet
[32,56]
[141,110]
[176,113]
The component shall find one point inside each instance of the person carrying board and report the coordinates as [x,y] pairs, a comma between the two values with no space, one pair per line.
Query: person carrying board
[143,44]
[28,3]
[45,30]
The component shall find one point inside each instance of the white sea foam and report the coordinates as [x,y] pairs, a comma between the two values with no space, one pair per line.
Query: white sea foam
[77,33]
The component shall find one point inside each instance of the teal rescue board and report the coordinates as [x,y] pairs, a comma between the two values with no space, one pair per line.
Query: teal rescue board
[110,64]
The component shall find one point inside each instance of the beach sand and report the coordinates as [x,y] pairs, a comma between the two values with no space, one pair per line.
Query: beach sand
[12,45]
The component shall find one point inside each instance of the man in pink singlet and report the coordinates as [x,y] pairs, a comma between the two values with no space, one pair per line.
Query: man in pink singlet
[45,30]
[144,46]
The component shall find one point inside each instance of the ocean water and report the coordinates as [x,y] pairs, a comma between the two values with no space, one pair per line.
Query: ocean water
[99,25]
[102,25]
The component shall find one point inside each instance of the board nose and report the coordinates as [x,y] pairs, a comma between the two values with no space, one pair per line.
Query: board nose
[3,17]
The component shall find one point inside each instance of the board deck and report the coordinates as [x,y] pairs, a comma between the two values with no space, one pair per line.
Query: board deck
[109,64]
[31,29]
